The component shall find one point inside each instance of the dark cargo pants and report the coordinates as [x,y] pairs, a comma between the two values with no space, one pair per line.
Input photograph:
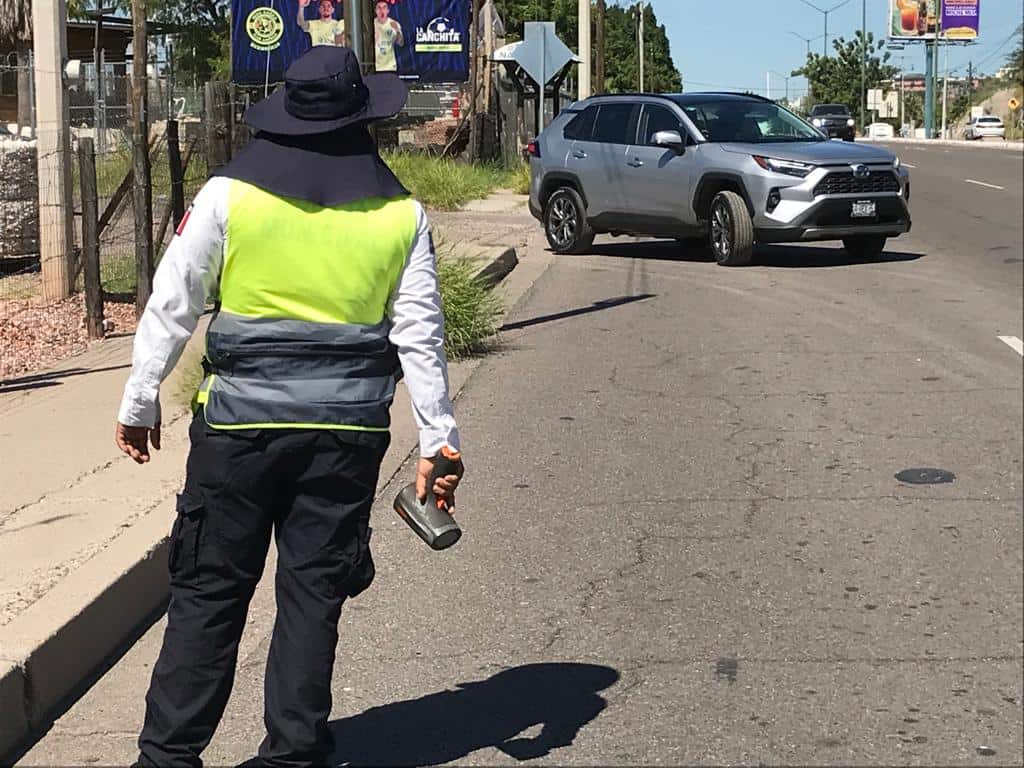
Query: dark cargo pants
[313,490]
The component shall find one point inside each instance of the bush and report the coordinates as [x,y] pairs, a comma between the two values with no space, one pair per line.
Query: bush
[442,183]
[471,310]
[519,179]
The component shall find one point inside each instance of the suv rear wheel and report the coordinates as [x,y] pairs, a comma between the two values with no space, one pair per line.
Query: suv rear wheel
[732,231]
[565,222]
[864,247]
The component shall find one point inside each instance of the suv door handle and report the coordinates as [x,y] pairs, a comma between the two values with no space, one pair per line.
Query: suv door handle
[579,154]
[636,162]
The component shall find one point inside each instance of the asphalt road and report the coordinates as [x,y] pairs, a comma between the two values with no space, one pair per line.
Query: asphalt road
[685,542]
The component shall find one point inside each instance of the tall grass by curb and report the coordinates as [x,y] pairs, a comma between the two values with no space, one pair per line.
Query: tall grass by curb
[446,184]
[471,309]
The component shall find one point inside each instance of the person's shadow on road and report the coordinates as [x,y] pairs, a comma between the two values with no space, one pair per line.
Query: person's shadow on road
[449,725]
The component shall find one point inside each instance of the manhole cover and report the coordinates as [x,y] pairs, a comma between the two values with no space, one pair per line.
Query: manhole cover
[925,476]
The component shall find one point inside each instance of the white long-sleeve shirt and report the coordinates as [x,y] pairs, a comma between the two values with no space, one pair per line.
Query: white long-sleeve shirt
[189,275]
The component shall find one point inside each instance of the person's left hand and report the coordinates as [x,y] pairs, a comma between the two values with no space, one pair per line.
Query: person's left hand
[444,486]
[135,441]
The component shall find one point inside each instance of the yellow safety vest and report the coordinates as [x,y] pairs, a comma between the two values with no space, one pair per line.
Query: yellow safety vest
[300,339]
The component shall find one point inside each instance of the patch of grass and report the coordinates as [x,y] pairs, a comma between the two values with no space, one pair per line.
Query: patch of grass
[443,183]
[188,375]
[519,179]
[471,311]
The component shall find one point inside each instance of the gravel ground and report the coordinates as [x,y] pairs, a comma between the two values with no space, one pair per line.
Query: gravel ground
[34,337]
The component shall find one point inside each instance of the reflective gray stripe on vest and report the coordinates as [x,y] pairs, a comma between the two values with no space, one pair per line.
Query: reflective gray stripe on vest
[292,372]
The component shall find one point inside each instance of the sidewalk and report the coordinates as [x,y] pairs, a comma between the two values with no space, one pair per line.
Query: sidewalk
[83,529]
[1013,146]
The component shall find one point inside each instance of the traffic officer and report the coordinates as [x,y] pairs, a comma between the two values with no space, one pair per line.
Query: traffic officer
[325,282]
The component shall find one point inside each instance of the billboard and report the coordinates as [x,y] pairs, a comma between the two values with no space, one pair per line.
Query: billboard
[425,40]
[914,19]
[933,19]
[420,40]
[960,19]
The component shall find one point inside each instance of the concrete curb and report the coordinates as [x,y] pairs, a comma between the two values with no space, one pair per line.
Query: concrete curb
[1013,146]
[55,648]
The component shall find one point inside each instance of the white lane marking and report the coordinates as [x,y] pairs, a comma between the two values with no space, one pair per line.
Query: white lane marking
[908,165]
[1013,343]
[984,184]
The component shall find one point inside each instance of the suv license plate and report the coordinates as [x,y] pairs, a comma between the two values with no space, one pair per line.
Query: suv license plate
[863,209]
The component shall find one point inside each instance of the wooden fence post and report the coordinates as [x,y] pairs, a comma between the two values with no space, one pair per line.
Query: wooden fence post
[90,239]
[142,182]
[177,173]
[218,126]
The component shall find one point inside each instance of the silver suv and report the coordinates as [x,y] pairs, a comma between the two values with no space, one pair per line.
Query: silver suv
[736,168]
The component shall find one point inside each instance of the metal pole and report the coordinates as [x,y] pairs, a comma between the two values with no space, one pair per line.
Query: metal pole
[929,92]
[863,63]
[583,70]
[824,42]
[767,85]
[945,87]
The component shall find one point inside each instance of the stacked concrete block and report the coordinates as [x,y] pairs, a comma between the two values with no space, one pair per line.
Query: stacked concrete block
[19,200]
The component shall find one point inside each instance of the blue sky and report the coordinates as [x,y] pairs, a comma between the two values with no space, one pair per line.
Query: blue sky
[731,44]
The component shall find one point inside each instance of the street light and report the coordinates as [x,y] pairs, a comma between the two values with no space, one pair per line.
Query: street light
[807,40]
[784,77]
[825,12]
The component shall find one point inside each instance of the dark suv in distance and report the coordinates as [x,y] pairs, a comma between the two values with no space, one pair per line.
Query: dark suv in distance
[834,120]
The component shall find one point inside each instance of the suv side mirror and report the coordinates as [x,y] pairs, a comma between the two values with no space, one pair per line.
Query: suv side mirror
[670,140]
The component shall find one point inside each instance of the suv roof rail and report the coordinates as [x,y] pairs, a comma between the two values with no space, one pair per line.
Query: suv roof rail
[634,94]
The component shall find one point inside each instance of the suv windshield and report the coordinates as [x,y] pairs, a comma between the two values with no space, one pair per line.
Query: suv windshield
[755,122]
[830,109]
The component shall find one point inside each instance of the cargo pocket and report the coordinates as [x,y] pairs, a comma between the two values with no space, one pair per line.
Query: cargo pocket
[363,571]
[183,557]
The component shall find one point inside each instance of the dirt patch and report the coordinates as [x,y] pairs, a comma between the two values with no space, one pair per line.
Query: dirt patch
[34,337]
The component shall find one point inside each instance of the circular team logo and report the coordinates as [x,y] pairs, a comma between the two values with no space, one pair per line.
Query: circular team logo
[265,28]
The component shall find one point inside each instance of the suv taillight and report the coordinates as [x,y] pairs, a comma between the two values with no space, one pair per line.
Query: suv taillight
[533,149]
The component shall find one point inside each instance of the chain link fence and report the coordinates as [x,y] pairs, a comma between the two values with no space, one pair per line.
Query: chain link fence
[37,327]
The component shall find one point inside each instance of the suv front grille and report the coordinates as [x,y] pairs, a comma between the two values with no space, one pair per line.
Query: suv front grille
[847,184]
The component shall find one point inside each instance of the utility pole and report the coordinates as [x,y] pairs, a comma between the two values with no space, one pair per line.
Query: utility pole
[599,48]
[56,223]
[641,53]
[583,70]
[488,12]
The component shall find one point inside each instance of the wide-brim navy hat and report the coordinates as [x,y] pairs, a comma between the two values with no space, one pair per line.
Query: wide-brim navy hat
[324,90]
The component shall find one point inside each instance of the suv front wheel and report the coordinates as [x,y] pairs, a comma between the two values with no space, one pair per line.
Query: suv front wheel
[732,231]
[565,222]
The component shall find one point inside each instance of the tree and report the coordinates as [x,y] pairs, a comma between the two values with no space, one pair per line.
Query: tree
[1015,61]
[837,79]
[16,32]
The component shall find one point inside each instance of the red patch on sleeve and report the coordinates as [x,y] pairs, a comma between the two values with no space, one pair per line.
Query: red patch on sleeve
[184,221]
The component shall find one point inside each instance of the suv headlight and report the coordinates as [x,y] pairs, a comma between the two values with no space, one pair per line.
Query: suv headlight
[788,167]
[896,164]
[817,122]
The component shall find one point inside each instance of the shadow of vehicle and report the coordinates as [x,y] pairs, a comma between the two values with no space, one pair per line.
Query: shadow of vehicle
[793,256]
[449,725]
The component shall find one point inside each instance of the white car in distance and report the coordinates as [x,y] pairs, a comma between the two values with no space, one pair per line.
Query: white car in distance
[986,125]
